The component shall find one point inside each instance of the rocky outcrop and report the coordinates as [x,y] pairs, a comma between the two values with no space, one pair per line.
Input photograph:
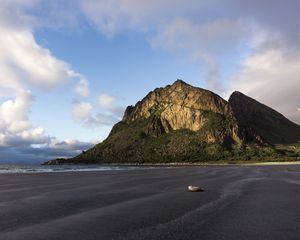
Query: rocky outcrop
[182,123]
[181,106]
[262,123]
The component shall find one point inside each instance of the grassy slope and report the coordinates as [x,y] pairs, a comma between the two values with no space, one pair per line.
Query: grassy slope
[127,143]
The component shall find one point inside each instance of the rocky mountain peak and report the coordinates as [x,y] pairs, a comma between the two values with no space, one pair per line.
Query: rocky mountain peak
[180,82]
[244,106]
[179,106]
[236,93]
[262,120]
[181,123]
[177,97]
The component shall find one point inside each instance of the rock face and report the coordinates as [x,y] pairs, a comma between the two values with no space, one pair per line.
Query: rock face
[182,123]
[269,125]
[181,106]
[178,106]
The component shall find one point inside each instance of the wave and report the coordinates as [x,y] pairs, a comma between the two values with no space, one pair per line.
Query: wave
[61,168]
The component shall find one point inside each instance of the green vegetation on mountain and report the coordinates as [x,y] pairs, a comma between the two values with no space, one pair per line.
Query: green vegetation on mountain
[182,123]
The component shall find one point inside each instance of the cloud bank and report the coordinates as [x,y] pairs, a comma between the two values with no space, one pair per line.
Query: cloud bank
[24,65]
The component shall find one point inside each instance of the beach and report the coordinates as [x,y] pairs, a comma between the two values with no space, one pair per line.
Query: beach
[238,202]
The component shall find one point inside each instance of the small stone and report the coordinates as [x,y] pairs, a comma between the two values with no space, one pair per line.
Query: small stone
[195,189]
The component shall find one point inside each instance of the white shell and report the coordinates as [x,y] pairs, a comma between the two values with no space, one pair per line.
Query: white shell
[194,189]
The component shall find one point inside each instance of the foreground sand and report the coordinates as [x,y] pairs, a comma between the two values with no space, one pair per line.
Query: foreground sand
[239,202]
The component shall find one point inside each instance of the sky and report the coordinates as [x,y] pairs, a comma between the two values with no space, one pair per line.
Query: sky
[69,68]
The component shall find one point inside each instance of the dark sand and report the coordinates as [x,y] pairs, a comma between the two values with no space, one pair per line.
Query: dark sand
[239,202]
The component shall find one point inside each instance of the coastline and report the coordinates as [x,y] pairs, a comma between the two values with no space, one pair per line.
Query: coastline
[237,163]
[153,203]
[187,164]
[33,169]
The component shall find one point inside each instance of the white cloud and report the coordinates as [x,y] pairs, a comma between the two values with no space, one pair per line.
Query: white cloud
[21,142]
[107,101]
[204,43]
[186,34]
[24,138]
[69,144]
[25,63]
[35,133]
[15,127]
[113,16]
[101,120]
[13,113]
[272,77]
[82,87]
[81,110]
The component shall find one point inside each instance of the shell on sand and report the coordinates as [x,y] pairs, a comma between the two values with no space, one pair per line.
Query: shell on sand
[195,189]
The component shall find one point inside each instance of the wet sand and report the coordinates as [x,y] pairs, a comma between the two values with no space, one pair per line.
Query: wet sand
[239,202]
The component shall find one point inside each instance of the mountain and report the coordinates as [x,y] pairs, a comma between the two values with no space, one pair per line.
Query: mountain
[270,125]
[182,106]
[182,123]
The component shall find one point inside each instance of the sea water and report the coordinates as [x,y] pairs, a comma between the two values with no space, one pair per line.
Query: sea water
[12,168]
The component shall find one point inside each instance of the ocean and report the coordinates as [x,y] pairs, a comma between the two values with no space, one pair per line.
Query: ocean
[15,168]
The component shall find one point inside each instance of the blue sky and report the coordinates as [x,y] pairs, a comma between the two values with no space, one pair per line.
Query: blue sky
[125,67]
[69,68]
